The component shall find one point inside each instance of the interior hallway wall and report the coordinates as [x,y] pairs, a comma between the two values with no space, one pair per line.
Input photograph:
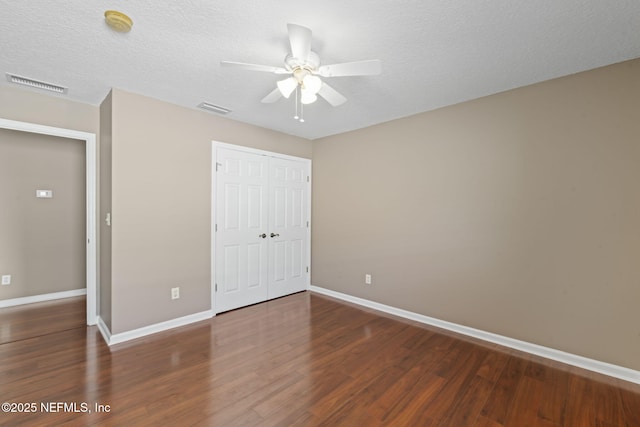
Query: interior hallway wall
[43,240]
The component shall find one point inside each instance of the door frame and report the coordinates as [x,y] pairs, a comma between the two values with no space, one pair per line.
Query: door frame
[214,158]
[91,200]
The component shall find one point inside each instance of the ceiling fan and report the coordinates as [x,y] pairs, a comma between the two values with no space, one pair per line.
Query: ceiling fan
[303,66]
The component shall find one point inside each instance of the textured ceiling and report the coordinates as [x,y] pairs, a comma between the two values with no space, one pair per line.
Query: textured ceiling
[433,53]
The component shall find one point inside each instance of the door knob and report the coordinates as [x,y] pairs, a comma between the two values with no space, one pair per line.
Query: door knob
[274,235]
[263,235]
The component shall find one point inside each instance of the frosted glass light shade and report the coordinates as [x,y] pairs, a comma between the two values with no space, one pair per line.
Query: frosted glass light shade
[308,97]
[312,83]
[287,86]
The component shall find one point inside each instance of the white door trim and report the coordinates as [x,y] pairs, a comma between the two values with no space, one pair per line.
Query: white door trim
[91,165]
[214,146]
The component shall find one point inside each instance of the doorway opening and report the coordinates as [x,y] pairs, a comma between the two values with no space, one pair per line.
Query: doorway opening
[91,200]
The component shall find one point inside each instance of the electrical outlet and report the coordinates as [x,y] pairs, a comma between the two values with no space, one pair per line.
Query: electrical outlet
[175,293]
[367,279]
[6,279]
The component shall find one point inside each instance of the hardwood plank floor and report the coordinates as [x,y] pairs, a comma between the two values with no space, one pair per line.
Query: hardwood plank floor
[42,318]
[301,360]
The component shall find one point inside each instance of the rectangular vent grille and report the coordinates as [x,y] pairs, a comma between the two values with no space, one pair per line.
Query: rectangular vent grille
[215,108]
[25,81]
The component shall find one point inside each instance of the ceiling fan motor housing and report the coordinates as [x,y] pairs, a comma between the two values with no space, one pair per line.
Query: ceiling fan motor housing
[311,63]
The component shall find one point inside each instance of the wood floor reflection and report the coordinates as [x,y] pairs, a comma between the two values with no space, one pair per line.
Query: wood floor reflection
[302,360]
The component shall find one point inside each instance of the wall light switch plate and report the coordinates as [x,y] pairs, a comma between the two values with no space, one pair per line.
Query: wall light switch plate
[44,194]
[6,279]
[175,293]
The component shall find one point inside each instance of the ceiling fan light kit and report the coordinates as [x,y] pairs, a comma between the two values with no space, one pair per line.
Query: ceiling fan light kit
[311,83]
[307,97]
[287,86]
[304,68]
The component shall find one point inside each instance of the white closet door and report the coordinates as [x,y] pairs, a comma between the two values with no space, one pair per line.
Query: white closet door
[288,232]
[241,222]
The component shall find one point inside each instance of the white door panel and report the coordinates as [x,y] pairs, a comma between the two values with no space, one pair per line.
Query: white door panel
[242,210]
[288,222]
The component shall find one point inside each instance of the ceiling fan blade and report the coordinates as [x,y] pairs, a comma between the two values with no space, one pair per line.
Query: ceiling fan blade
[332,96]
[254,67]
[370,67]
[273,96]
[300,39]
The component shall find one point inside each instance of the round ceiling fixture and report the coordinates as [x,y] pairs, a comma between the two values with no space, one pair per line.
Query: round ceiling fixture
[118,21]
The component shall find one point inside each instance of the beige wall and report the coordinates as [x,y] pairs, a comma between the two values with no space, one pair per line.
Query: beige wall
[30,106]
[161,204]
[42,245]
[104,300]
[517,213]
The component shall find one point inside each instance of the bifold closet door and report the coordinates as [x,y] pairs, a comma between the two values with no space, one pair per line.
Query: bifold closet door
[241,248]
[261,228]
[288,225]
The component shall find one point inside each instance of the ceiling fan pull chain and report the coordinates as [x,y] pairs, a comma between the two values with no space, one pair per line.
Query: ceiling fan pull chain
[296,117]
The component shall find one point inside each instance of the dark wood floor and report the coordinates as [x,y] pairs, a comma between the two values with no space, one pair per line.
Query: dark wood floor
[43,318]
[303,360]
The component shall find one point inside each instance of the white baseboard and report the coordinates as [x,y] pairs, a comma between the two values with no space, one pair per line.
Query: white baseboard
[546,352]
[152,329]
[104,330]
[42,297]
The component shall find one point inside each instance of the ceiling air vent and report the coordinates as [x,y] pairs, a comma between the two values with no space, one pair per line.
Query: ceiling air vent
[215,108]
[25,81]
